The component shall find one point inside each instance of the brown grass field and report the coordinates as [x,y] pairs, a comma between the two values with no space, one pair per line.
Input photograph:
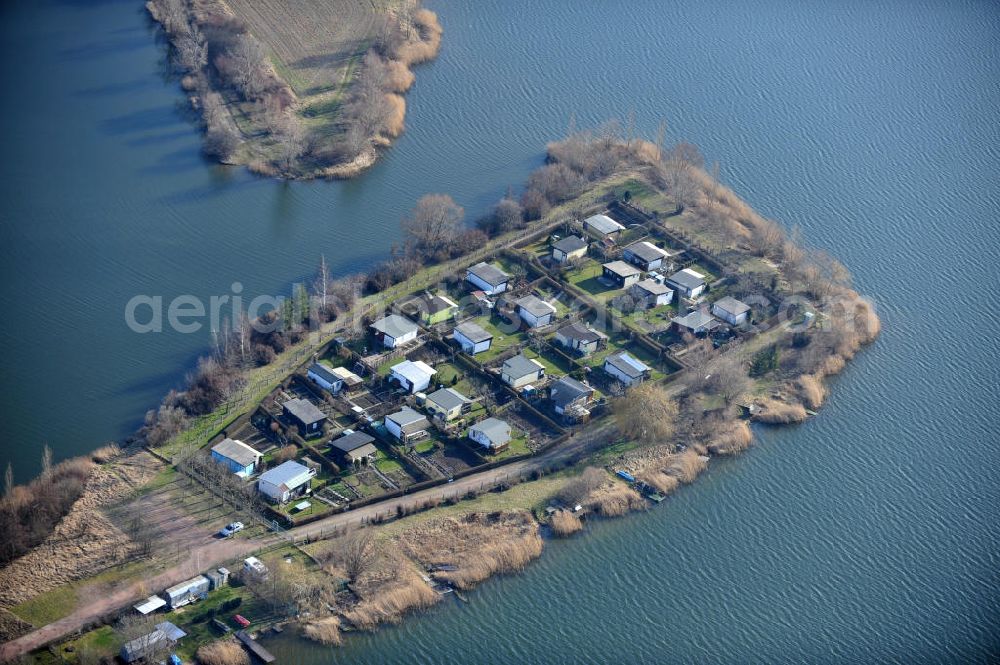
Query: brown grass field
[314,43]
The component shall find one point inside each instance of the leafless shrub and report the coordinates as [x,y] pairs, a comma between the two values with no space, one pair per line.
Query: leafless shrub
[579,488]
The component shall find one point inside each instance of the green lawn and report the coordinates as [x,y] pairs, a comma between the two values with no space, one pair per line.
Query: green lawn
[47,607]
[587,277]
[502,339]
[554,365]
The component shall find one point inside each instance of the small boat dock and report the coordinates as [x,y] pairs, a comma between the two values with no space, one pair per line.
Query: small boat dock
[254,647]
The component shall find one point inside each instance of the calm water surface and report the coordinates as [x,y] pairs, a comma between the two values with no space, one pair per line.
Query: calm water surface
[868,534]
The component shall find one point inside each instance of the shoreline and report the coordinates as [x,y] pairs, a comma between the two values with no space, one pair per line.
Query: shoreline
[661,466]
[254,111]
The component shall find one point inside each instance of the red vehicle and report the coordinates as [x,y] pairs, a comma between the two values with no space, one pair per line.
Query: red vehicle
[242,620]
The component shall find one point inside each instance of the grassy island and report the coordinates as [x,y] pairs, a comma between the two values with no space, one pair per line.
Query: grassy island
[297,89]
[647,319]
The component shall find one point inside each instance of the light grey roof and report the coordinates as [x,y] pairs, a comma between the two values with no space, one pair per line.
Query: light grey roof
[237,451]
[603,224]
[627,364]
[520,366]
[291,474]
[428,303]
[731,305]
[496,430]
[646,251]
[143,646]
[570,244]
[694,320]
[567,389]
[406,417]
[687,278]
[304,411]
[324,372]
[447,398]
[473,332]
[414,371]
[170,630]
[535,306]
[489,273]
[580,332]
[352,441]
[395,326]
[622,269]
[653,287]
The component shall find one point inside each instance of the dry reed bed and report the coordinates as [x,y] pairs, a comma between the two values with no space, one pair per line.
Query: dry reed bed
[564,523]
[479,545]
[85,541]
[222,652]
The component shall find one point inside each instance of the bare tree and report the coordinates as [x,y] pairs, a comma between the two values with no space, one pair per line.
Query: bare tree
[355,552]
[726,376]
[579,488]
[647,414]
[433,223]
[321,285]
[249,67]
[8,480]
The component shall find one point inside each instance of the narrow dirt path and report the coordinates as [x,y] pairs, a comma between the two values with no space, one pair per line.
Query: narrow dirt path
[220,551]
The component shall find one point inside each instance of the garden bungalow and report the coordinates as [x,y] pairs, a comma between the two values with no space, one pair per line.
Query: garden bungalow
[580,338]
[602,226]
[348,378]
[431,309]
[355,447]
[238,457]
[621,273]
[193,589]
[534,311]
[649,293]
[487,278]
[569,248]
[286,481]
[472,337]
[306,416]
[413,375]
[325,378]
[407,425]
[492,433]
[447,404]
[520,371]
[395,330]
[626,368]
[570,397]
[696,322]
[646,255]
[688,283]
[145,647]
[731,310]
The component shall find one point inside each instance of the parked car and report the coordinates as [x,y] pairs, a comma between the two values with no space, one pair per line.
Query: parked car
[242,620]
[231,528]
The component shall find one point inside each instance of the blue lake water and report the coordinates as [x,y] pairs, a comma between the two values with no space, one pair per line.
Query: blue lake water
[870,533]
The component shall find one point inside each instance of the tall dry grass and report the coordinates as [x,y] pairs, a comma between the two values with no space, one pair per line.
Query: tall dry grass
[731,437]
[686,466]
[427,45]
[811,391]
[780,413]
[389,600]
[507,556]
[480,545]
[658,480]
[616,500]
[325,631]
[395,116]
[222,652]
[564,523]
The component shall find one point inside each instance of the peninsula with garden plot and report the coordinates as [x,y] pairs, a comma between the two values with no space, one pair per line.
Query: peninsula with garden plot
[301,89]
[581,352]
